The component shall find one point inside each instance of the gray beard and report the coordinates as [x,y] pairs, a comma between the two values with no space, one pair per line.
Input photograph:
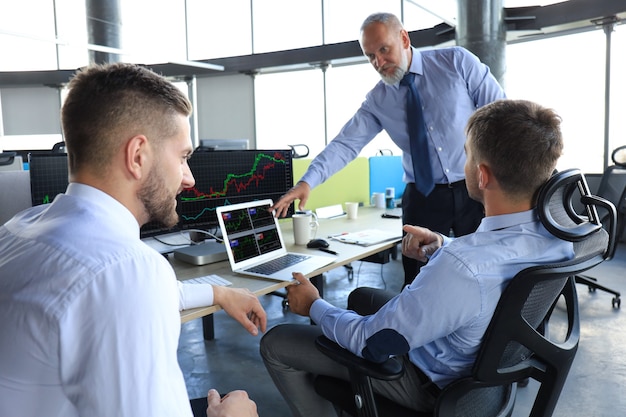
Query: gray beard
[398,73]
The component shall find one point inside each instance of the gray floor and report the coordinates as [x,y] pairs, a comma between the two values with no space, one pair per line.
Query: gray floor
[595,385]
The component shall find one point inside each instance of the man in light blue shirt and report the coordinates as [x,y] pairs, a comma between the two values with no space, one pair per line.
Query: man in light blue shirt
[452,84]
[437,323]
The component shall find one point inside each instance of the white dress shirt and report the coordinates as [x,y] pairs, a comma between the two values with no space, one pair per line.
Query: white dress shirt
[89,315]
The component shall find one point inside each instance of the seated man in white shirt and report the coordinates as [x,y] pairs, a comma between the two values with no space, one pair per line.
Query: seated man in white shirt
[90,314]
[436,324]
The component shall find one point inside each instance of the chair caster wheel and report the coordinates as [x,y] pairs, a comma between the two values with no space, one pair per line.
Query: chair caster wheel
[616,302]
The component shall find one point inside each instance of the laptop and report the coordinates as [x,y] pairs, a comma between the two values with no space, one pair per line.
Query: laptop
[255,245]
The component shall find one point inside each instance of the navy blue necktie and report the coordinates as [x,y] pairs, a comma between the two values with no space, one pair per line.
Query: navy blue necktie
[417,134]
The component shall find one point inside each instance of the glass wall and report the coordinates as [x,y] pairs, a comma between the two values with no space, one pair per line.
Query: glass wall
[306,104]
[290,109]
[219,28]
[568,74]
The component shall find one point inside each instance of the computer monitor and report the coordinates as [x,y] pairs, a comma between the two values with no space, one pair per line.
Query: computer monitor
[222,178]
[48,176]
[224,144]
[228,177]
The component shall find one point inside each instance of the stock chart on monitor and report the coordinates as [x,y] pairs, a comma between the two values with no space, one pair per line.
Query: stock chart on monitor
[222,178]
[229,177]
[48,177]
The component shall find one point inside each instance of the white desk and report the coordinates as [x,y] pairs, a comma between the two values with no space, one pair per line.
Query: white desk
[368,218]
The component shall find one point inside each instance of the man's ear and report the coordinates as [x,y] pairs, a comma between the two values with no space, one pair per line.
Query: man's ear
[484,176]
[406,40]
[136,153]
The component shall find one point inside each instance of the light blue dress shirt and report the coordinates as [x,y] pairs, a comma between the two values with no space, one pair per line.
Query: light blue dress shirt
[452,84]
[441,317]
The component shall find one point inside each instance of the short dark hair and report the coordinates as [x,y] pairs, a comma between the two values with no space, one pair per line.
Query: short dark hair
[109,103]
[520,140]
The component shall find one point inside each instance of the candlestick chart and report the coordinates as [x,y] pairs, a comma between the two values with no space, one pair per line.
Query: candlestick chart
[229,177]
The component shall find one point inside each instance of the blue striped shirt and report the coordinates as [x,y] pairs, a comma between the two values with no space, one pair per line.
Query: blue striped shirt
[452,84]
[440,319]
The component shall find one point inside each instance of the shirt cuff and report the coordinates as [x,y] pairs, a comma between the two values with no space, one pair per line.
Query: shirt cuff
[194,295]
[319,309]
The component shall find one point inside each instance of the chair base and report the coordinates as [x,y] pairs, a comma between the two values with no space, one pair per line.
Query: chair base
[340,393]
[593,285]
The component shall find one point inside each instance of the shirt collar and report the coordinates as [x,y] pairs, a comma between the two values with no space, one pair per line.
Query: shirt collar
[415,66]
[507,220]
[114,209]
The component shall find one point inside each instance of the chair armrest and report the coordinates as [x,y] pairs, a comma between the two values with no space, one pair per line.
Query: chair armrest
[389,370]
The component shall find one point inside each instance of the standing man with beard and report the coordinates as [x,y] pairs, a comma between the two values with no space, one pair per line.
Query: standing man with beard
[452,83]
[90,314]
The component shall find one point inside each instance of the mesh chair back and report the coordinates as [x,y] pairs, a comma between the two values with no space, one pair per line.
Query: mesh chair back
[516,344]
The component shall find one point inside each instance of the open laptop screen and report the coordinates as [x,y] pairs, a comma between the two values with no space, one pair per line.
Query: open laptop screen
[251,232]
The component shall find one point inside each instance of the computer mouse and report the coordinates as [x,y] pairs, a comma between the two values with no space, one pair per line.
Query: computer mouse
[317,243]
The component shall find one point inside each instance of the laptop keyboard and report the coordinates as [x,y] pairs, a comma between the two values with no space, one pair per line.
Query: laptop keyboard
[275,265]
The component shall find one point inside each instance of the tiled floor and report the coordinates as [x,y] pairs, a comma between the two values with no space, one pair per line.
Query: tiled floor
[595,386]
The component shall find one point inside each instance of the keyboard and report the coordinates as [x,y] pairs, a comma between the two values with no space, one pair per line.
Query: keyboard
[278,264]
[209,279]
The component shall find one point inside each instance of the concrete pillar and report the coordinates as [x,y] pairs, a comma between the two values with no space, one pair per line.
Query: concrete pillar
[481,29]
[104,26]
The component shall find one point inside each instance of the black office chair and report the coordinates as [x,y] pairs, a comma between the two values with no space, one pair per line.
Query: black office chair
[612,188]
[517,344]
[59,147]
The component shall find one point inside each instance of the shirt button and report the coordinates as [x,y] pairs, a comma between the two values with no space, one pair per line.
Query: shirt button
[439,149]
[431,128]
[447,171]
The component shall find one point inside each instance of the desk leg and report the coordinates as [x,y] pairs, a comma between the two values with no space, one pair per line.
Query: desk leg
[207,327]
[318,282]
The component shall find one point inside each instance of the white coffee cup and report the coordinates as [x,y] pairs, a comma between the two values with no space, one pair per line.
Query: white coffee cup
[378,200]
[352,209]
[304,227]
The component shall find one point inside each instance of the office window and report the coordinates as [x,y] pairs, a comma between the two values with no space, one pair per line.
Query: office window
[289,109]
[71,23]
[617,122]
[567,74]
[218,29]
[286,24]
[27,38]
[343,19]
[425,14]
[153,31]
[346,88]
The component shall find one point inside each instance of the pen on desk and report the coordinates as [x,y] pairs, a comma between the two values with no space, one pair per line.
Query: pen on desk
[337,234]
[328,251]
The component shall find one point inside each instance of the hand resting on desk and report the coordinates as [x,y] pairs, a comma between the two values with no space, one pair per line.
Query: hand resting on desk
[242,305]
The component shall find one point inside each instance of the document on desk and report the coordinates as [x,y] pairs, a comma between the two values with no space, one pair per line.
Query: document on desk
[368,237]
